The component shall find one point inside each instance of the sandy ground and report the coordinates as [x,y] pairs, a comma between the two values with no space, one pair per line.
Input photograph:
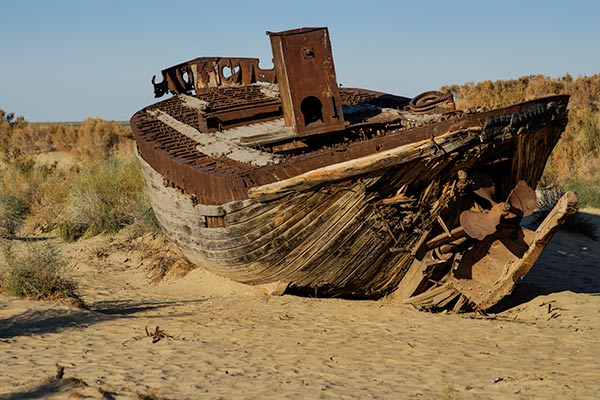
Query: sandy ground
[217,339]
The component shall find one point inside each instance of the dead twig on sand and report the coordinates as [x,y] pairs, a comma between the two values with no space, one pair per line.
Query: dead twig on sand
[158,334]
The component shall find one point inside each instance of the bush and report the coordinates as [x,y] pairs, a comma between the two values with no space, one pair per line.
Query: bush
[24,186]
[92,138]
[101,193]
[37,274]
[102,198]
[13,210]
[98,138]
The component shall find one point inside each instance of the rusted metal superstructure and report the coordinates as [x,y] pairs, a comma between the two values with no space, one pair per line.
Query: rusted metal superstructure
[279,175]
[309,89]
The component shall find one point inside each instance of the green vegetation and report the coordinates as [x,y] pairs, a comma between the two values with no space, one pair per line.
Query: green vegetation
[100,190]
[13,210]
[586,186]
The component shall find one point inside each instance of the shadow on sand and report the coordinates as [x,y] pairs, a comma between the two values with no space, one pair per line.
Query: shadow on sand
[48,388]
[39,322]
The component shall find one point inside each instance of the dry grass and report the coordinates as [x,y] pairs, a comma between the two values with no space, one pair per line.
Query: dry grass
[164,260]
[105,196]
[93,138]
[30,194]
[13,210]
[160,257]
[102,192]
[37,273]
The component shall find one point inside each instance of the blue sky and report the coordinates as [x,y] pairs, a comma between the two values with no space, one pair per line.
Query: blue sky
[67,60]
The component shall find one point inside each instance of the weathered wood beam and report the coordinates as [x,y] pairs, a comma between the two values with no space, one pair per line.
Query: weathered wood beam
[348,169]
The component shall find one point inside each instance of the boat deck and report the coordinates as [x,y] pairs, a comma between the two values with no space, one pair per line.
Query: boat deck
[218,164]
[187,135]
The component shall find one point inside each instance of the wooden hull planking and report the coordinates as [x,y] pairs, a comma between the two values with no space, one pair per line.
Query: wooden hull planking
[331,232]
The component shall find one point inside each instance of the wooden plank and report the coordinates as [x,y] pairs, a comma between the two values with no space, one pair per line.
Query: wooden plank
[215,146]
[436,297]
[264,228]
[245,263]
[444,237]
[294,245]
[366,164]
[309,262]
[412,280]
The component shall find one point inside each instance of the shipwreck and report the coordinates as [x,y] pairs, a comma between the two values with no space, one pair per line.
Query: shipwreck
[282,176]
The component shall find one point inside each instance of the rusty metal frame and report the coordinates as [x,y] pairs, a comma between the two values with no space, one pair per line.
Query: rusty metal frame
[207,72]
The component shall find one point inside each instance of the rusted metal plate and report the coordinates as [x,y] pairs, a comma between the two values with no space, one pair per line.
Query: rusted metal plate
[478,224]
[309,91]
[482,267]
[492,267]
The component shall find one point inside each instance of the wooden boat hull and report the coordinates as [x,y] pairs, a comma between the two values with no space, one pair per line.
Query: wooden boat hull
[366,227]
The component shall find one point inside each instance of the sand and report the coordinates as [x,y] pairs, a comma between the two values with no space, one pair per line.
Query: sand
[202,336]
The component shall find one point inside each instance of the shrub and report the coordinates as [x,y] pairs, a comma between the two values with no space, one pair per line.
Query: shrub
[97,137]
[102,198]
[37,274]
[99,194]
[13,210]
[24,187]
